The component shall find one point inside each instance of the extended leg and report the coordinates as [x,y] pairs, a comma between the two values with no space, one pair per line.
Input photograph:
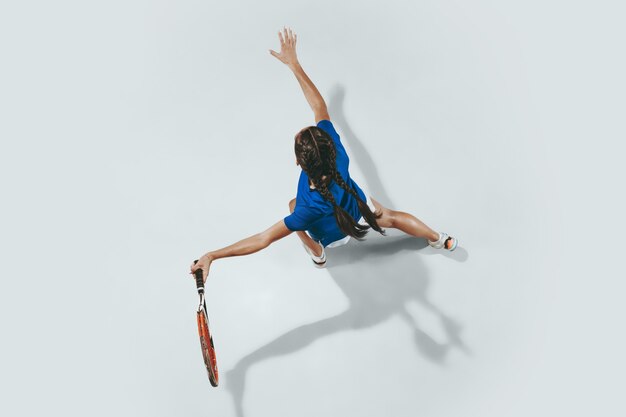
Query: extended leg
[306,239]
[406,222]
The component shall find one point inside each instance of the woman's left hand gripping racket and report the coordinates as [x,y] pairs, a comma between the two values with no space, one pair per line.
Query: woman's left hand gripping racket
[206,341]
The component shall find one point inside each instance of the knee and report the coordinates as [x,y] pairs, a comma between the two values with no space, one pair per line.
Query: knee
[292,205]
[388,219]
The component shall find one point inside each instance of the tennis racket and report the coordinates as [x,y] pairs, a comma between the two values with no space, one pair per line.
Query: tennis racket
[206,340]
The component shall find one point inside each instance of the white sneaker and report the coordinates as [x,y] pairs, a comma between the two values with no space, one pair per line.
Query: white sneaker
[318,261]
[445,242]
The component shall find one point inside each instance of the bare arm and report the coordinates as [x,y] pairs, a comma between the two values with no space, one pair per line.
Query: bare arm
[315,99]
[245,246]
[288,57]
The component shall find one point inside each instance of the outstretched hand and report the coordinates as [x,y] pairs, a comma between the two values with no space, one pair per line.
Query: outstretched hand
[287,53]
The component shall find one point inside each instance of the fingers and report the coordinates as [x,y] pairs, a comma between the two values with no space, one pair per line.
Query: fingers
[292,37]
[193,268]
[287,37]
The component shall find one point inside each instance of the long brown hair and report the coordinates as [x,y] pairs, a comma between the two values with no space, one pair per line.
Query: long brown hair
[316,154]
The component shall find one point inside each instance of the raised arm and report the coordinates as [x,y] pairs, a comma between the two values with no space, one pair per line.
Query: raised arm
[288,57]
[245,246]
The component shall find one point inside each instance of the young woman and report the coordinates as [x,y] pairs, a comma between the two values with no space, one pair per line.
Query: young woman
[329,207]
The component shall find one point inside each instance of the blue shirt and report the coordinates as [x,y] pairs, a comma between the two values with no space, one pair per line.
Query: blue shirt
[312,212]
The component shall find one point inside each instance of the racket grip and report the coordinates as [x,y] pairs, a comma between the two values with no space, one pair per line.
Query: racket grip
[198,274]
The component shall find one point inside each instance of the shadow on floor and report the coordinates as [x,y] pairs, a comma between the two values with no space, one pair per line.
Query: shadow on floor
[379,277]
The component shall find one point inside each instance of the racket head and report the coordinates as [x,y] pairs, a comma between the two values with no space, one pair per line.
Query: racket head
[206,344]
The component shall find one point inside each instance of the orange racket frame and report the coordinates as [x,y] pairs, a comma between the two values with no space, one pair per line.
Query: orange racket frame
[206,340]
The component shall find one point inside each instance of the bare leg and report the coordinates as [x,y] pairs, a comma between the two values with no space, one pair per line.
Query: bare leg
[406,222]
[304,237]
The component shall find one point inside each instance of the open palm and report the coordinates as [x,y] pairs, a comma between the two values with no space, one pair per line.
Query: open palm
[287,53]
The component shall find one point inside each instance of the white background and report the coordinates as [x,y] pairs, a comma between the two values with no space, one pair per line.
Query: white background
[137,135]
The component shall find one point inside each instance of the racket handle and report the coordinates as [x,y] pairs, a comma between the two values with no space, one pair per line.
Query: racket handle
[199,280]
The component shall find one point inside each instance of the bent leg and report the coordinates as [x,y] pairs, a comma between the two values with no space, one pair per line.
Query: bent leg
[304,237]
[406,222]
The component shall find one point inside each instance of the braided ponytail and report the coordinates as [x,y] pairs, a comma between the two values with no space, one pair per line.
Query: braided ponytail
[345,221]
[315,152]
[369,216]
